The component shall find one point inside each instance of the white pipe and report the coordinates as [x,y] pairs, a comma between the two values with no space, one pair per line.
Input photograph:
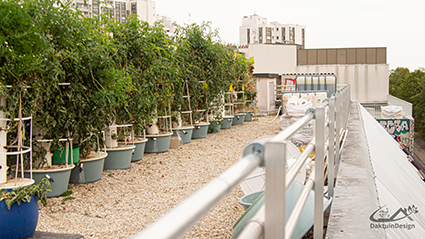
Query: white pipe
[254,228]
[299,206]
[299,163]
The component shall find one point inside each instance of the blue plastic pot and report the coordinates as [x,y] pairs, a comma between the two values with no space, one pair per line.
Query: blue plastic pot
[20,221]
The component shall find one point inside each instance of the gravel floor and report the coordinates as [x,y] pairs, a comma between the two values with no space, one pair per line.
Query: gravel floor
[124,202]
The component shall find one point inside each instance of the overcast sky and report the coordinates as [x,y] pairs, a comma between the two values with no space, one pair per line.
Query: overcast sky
[397,25]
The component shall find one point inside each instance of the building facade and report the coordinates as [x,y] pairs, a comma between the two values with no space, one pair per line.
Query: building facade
[256,30]
[365,69]
[119,9]
[167,23]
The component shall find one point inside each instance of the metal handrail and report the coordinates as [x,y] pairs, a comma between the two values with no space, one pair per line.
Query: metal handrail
[178,220]
[270,217]
[257,226]
[296,212]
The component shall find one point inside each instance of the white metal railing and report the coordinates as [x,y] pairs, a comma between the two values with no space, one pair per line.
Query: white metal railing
[270,218]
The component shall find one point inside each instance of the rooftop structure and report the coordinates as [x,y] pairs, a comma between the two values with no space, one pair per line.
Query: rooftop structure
[167,23]
[256,30]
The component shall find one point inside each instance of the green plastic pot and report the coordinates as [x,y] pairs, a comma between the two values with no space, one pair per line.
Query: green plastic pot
[59,156]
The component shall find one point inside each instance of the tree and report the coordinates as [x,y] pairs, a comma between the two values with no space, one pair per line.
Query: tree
[409,86]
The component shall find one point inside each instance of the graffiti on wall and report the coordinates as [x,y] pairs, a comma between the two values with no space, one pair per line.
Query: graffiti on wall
[396,126]
[401,129]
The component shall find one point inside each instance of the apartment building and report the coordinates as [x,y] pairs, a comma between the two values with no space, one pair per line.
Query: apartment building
[256,30]
[119,9]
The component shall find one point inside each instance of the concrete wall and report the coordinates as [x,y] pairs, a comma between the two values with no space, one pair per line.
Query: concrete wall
[342,56]
[146,10]
[369,83]
[407,106]
[273,58]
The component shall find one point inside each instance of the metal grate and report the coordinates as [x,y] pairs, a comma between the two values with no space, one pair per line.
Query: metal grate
[374,109]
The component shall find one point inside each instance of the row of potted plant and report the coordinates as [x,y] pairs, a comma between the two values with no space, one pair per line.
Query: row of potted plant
[93,86]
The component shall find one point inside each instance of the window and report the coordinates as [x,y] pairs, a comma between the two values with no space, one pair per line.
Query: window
[134,8]
[260,34]
[248,36]
[268,35]
[303,36]
[292,35]
[283,34]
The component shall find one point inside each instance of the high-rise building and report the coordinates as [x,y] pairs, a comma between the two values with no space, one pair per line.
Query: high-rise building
[256,30]
[119,9]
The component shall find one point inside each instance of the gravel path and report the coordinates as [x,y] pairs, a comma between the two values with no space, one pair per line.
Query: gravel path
[124,202]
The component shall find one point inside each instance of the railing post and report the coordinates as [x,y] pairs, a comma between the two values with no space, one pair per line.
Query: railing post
[319,173]
[348,98]
[275,162]
[331,153]
[338,113]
